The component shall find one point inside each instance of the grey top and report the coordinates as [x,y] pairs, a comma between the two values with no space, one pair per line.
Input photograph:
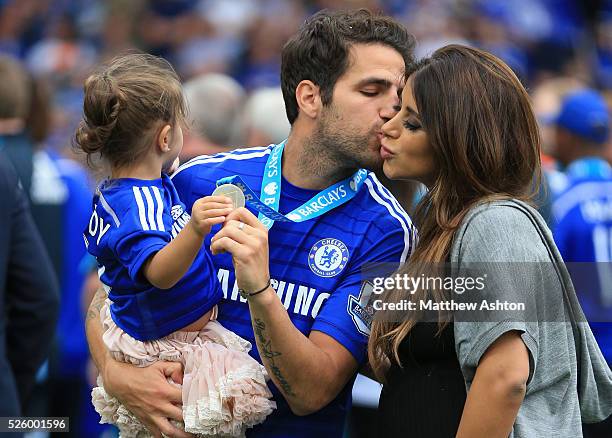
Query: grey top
[496,235]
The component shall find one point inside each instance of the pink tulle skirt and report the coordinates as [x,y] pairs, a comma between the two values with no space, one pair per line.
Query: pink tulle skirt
[224,389]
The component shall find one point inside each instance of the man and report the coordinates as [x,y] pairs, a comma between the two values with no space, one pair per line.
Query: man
[264,117]
[60,199]
[29,296]
[583,214]
[340,77]
[212,131]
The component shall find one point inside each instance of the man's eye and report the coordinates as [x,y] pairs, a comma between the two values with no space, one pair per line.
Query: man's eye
[369,93]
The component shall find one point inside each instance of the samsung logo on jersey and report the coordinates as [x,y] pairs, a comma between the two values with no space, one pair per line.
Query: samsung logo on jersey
[297,298]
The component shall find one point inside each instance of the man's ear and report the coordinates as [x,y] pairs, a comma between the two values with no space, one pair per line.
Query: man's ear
[163,139]
[308,98]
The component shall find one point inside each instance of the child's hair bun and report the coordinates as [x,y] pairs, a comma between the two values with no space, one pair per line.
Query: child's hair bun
[126,102]
[103,103]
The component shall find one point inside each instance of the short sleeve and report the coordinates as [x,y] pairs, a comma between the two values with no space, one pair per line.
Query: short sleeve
[499,244]
[140,233]
[134,249]
[346,315]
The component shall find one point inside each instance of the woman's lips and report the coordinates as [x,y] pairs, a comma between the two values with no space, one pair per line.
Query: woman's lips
[385,153]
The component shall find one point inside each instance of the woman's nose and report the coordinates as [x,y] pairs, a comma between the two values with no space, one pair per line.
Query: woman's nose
[389,129]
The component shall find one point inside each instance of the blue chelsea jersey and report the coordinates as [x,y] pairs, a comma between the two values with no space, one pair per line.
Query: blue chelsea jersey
[315,267]
[583,233]
[132,219]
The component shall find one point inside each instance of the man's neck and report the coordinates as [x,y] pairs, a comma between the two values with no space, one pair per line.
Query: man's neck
[306,166]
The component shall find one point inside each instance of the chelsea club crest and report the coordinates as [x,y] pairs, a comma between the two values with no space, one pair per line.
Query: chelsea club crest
[328,257]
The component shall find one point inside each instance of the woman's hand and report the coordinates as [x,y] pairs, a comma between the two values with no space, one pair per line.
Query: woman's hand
[147,394]
[246,239]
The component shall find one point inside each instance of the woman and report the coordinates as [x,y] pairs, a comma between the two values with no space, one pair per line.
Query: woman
[466,130]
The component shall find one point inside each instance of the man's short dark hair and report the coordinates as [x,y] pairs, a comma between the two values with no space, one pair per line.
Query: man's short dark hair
[319,51]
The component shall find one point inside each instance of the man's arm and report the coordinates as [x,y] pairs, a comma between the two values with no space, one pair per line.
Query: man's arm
[93,330]
[309,371]
[144,391]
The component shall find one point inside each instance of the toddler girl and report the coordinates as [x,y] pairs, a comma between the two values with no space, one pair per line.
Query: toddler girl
[161,284]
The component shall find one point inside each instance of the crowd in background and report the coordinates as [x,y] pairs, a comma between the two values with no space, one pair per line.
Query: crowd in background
[61,40]
[227,52]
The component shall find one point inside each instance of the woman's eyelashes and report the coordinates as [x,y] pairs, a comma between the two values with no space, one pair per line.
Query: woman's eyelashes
[411,126]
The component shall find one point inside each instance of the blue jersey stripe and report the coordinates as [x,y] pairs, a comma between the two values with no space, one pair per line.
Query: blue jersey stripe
[108,209]
[141,209]
[385,193]
[220,158]
[391,210]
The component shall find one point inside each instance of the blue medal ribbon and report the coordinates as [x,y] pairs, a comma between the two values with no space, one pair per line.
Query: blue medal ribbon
[267,203]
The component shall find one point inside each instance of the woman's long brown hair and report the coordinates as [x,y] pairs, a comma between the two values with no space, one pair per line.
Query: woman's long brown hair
[486,146]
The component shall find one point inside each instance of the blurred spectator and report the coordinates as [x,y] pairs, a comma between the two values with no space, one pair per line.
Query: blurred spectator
[489,34]
[61,56]
[264,39]
[435,23]
[265,121]
[582,130]
[348,4]
[547,98]
[58,189]
[117,29]
[603,55]
[229,18]
[538,38]
[167,25]
[28,296]
[608,151]
[21,25]
[584,213]
[14,108]
[217,42]
[215,102]
[61,198]
[206,55]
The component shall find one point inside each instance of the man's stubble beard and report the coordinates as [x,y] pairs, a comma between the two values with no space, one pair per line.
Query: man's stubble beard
[333,143]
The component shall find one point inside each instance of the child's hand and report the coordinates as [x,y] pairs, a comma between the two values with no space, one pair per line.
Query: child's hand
[209,211]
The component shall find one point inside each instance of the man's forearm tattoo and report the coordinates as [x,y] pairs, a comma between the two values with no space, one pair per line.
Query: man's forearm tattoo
[96,305]
[266,352]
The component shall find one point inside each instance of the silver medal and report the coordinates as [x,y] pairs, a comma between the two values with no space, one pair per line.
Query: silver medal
[232,192]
